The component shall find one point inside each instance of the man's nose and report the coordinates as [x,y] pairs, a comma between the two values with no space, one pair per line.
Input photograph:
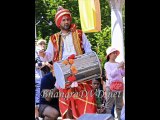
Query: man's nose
[66,21]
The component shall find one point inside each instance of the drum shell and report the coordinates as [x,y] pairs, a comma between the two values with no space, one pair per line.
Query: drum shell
[88,66]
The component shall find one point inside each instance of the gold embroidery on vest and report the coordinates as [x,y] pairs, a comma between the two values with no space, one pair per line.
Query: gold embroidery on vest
[76,42]
[57,46]
[54,40]
[60,52]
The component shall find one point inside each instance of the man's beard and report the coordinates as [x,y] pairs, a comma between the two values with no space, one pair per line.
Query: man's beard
[65,27]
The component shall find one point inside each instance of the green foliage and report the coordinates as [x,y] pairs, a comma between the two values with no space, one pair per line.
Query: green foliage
[100,42]
[47,9]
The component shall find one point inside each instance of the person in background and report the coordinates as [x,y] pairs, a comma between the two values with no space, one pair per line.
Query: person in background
[44,67]
[115,72]
[104,80]
[49,105]
[96,84]
[41,68]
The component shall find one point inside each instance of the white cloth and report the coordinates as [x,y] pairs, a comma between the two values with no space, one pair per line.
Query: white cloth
[68,48]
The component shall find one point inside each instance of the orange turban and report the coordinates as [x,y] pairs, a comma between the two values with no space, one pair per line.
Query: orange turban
[58,17]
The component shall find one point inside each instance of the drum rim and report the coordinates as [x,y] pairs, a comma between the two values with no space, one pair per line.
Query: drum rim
[98,62]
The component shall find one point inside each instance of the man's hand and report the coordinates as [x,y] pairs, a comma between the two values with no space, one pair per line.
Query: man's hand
[42,53]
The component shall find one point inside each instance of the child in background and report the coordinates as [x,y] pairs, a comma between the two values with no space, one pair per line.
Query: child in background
[99,95]
[115,72]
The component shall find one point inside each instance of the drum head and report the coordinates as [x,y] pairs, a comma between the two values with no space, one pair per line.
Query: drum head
[59,75]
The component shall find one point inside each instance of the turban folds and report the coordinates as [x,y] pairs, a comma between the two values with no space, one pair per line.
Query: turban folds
[60,14]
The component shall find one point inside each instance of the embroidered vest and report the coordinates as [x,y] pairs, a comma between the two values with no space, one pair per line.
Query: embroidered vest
[56,40]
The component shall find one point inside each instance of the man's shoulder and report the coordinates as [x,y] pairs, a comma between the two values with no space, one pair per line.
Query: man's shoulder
[55,34]
[79,30]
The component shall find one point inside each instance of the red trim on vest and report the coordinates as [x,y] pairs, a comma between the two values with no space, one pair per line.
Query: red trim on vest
[81,42]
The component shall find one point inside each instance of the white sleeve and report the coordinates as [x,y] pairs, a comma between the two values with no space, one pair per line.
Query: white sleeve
[49,53]
[86,44]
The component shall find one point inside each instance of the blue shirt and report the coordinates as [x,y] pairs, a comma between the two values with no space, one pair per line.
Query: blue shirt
[47,82]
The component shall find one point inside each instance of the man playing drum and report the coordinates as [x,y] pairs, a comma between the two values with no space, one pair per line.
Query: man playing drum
[61,45]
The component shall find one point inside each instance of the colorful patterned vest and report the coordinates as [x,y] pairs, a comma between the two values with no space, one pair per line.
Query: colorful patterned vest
[57,43]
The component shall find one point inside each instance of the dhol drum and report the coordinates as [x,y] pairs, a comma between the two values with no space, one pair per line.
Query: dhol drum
[88,66]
